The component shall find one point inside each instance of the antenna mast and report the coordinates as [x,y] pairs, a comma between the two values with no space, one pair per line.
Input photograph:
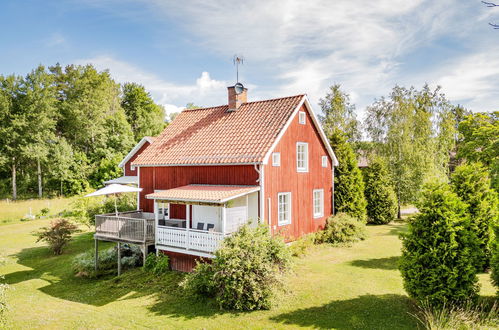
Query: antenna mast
[238,59]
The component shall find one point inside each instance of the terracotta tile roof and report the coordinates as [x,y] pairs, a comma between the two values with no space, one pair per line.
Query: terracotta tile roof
[215,136]
[203,193]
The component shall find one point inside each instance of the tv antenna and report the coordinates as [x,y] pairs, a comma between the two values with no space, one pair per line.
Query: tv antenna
[237,60]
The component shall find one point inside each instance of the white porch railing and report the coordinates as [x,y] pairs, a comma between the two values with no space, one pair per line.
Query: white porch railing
[127,227]
[188,239]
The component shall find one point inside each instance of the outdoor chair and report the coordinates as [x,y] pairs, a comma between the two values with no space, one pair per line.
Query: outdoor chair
[210,227]
[200,226]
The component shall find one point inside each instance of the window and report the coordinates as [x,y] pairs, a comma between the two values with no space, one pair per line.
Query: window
[302,117]
[318,203]
[324,161]
[276,159]
[302,157]
[284,208]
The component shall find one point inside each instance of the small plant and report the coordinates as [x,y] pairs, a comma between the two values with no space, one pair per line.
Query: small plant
[57,235]
[245,273]
[157,265]
[466,316]
[342,229]
[299,247]
[43,212]
[3,299]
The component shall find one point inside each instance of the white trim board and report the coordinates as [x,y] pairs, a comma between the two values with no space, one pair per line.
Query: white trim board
[134,151]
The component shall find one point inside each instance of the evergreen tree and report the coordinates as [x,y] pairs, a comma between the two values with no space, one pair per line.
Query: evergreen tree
[144,116]
[471,183]
[379,193]
[437,262]
[349,186]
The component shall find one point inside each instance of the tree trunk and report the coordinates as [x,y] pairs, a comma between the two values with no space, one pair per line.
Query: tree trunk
[39,167]
[14,184]
[61,187]
[399,213]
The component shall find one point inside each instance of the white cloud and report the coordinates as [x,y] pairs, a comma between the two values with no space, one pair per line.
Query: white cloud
[204,91]
[55,39]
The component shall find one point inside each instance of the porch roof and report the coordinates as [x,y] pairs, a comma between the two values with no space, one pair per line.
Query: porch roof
[203,193]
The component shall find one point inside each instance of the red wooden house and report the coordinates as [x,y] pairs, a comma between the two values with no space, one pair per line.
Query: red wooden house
[213,169]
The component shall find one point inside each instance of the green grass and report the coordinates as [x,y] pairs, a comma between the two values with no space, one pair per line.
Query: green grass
[12,211]
[344,288]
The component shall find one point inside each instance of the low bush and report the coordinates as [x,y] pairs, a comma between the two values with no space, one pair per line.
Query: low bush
[494,261]
[437,263]
[43,212]
[157,264]
[465,316]
[84,263]
[245,273]
[342,229]
[57,235]
[299,247]
[3,299]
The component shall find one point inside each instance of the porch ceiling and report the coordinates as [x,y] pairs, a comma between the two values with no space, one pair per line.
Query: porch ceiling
[203,193]
[133,180]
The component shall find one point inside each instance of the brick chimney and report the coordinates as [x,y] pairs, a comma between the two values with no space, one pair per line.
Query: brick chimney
[236,100]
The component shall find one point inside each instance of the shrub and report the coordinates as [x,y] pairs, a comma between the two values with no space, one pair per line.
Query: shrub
[84,263]
[349,185]
[471,183]
[43,212]
[3,299]
[380,196]
[494,261]
[57,235]
[437,262]
[245,272]
[299,247]
[342,229]
[157,265]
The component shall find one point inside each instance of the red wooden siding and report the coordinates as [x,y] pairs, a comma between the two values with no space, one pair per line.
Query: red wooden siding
[285,178]
[183,262]
[167,177]
[128,168]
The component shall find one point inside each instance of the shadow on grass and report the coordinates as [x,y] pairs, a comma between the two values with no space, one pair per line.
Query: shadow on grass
[388,311]
[389,263]
[57,272]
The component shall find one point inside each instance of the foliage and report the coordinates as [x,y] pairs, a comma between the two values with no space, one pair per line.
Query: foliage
[342,229]
[494,261]
[349,186]
[472,184]
[57,235]
[413,130]
[157,264]
[83,264]
[3,298]
[245,272]
[437,263]
[84,209]
[339,114]
[299,247]
[379,193]
[466,316]
[480,142]
[144,116]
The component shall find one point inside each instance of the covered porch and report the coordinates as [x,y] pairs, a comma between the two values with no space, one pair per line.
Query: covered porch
[209,214]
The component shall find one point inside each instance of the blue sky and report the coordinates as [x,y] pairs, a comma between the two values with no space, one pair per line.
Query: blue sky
[181,51]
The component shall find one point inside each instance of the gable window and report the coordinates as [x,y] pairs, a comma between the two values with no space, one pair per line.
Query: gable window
[276,159]
[284,208]
[324,161]
[318,197]
[302,117]
[302,157]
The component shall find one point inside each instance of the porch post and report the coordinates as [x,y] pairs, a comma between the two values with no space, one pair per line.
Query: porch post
[96,253]
[224,216]
[156,221]
[187,225]
[119,258]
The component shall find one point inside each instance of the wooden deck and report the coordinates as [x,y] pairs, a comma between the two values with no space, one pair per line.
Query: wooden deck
[128,227]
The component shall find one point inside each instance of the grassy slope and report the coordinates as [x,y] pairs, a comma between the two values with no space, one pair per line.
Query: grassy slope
[343,288]
[12,211]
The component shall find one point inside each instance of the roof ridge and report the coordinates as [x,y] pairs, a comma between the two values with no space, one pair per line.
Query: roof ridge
[258,101]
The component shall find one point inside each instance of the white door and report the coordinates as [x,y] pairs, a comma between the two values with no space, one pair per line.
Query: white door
[206,215]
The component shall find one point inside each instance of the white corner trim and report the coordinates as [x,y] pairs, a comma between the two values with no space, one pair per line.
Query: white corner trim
[134,150]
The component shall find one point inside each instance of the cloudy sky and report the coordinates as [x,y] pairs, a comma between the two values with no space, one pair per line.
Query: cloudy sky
[181,51]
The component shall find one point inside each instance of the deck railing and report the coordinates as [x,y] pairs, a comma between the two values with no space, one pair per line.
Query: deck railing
[127,227]
[189,239]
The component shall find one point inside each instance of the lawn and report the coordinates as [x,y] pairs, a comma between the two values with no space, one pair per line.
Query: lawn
[13,211]
[344,288]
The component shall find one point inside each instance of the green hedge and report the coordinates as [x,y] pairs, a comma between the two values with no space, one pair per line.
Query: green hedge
[342,229]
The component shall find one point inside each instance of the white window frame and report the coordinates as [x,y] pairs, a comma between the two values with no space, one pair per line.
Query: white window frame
[303,168]
[287,212]
[318,209]
[302,118]
[276,159]
[159,208]
[324,161]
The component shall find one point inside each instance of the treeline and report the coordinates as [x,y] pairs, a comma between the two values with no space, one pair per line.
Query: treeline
[65,129]
[414,137]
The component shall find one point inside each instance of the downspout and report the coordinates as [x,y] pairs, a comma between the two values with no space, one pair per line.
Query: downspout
[260,180]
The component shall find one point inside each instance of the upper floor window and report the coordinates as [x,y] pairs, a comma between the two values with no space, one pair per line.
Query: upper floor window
[276,159]
[302,117]
[318,197]
[302,157]
[324,161]
[284,208]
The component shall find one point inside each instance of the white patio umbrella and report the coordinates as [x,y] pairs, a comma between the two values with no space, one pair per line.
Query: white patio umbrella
[114,189]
